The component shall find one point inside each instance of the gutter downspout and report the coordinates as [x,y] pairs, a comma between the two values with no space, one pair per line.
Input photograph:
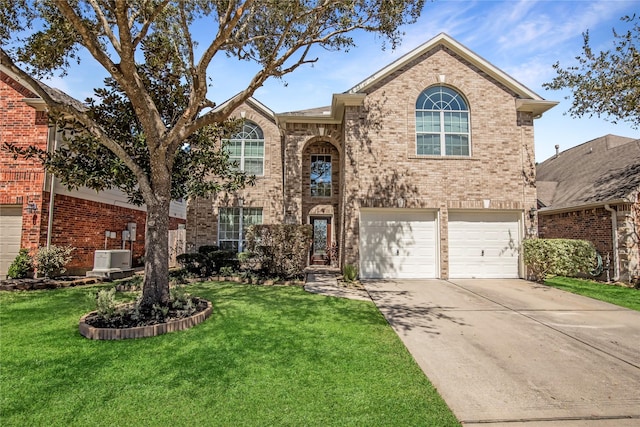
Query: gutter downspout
[51,191]
[614,238]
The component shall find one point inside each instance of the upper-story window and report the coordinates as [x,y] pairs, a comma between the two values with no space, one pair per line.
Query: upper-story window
[442,123]
[247,148]
[320,175]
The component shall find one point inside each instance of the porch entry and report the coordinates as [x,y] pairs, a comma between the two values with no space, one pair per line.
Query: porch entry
[321,240]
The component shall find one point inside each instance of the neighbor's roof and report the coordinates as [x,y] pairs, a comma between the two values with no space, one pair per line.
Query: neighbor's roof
[603,170]
[37,102]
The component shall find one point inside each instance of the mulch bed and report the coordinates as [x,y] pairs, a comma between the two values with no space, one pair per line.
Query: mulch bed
[42,283]
[204,310]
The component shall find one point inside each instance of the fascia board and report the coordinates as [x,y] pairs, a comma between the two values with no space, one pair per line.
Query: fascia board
[537,107]
[252,102]
[338,104]
[552,210]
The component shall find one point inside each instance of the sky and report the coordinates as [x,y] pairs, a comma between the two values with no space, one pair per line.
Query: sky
[524,38]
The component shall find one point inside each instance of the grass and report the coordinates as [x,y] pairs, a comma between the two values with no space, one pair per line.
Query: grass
[624,297]
[267,356]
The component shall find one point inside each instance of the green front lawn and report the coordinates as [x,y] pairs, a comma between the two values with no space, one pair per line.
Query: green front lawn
[624,297]
[267,356]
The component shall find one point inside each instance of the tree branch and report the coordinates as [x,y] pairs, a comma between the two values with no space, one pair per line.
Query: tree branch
[147,23]
[66,108]
[106,27]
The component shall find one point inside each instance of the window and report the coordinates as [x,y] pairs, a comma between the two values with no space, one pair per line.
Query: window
[442,123]
[247,149]
[320,176]
[232,226]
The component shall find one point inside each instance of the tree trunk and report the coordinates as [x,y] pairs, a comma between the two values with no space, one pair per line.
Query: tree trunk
[156,255]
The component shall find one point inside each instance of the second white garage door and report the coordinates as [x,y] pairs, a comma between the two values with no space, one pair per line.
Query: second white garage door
[398,243]
[483,245]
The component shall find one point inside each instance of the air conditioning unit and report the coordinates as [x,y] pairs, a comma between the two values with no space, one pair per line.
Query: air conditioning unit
[111,263]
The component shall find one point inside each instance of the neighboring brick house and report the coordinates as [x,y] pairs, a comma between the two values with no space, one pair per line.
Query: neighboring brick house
[592,192]
[425,169]
[79,218]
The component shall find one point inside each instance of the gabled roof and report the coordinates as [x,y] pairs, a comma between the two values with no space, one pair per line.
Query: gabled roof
[528,99]
[252,102]
[37,102]
[604,170]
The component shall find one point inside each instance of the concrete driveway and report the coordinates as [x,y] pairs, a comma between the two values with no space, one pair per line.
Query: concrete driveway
[512,352]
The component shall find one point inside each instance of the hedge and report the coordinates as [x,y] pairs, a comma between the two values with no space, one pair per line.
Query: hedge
[560,257]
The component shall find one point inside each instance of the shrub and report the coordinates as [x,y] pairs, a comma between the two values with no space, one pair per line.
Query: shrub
[349,273]
[22,266]
[226,271]
[193,263]
[208,262]
[206,249]
[217,260]
[106,303]
[561,257]
[282,249]
[50,261]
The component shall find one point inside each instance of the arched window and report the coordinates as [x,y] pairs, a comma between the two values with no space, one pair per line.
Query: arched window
[247,148]
[442,123]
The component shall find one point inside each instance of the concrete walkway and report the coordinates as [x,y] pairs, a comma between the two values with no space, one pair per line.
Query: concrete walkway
[327,284]
[515,353]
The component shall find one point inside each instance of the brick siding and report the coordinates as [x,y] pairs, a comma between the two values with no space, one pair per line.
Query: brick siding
[202,212]
[77,222]
[595,225]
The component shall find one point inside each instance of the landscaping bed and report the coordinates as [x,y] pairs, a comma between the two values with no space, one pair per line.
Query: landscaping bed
[44,283]
[128,325]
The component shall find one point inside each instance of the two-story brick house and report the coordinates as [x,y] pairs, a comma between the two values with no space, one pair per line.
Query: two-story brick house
[424,170]
[80,218]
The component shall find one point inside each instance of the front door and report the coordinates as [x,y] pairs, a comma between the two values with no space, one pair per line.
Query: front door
[321,240]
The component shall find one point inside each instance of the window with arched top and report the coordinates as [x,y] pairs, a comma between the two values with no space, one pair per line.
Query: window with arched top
[246,148]
[442,123]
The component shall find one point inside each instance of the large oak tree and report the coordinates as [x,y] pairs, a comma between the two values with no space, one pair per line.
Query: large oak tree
[156,98]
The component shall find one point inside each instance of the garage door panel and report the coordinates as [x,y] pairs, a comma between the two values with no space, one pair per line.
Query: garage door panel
[10,235]
[397,244]
[483,245]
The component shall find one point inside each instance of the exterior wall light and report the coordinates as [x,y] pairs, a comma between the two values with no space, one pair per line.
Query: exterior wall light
[32,208]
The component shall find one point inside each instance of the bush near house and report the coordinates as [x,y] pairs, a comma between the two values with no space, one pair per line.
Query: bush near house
[560,257]
[22,266]
[349,273]
[281,249]
[208,261]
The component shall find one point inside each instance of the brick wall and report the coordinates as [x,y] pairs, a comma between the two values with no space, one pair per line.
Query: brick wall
[202,213]
[380,144]
[593,225]
[377,161]
[21,180]
[82,224]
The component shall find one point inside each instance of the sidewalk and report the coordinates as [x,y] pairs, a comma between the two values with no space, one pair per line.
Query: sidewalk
[326,283]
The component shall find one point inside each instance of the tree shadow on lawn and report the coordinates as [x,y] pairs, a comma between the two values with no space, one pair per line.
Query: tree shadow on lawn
[249,324]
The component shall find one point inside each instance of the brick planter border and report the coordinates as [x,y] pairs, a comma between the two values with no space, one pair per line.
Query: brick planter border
[142,331]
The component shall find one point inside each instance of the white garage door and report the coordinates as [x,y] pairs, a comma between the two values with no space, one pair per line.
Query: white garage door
[397,243]
[483,245]
[10,234]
